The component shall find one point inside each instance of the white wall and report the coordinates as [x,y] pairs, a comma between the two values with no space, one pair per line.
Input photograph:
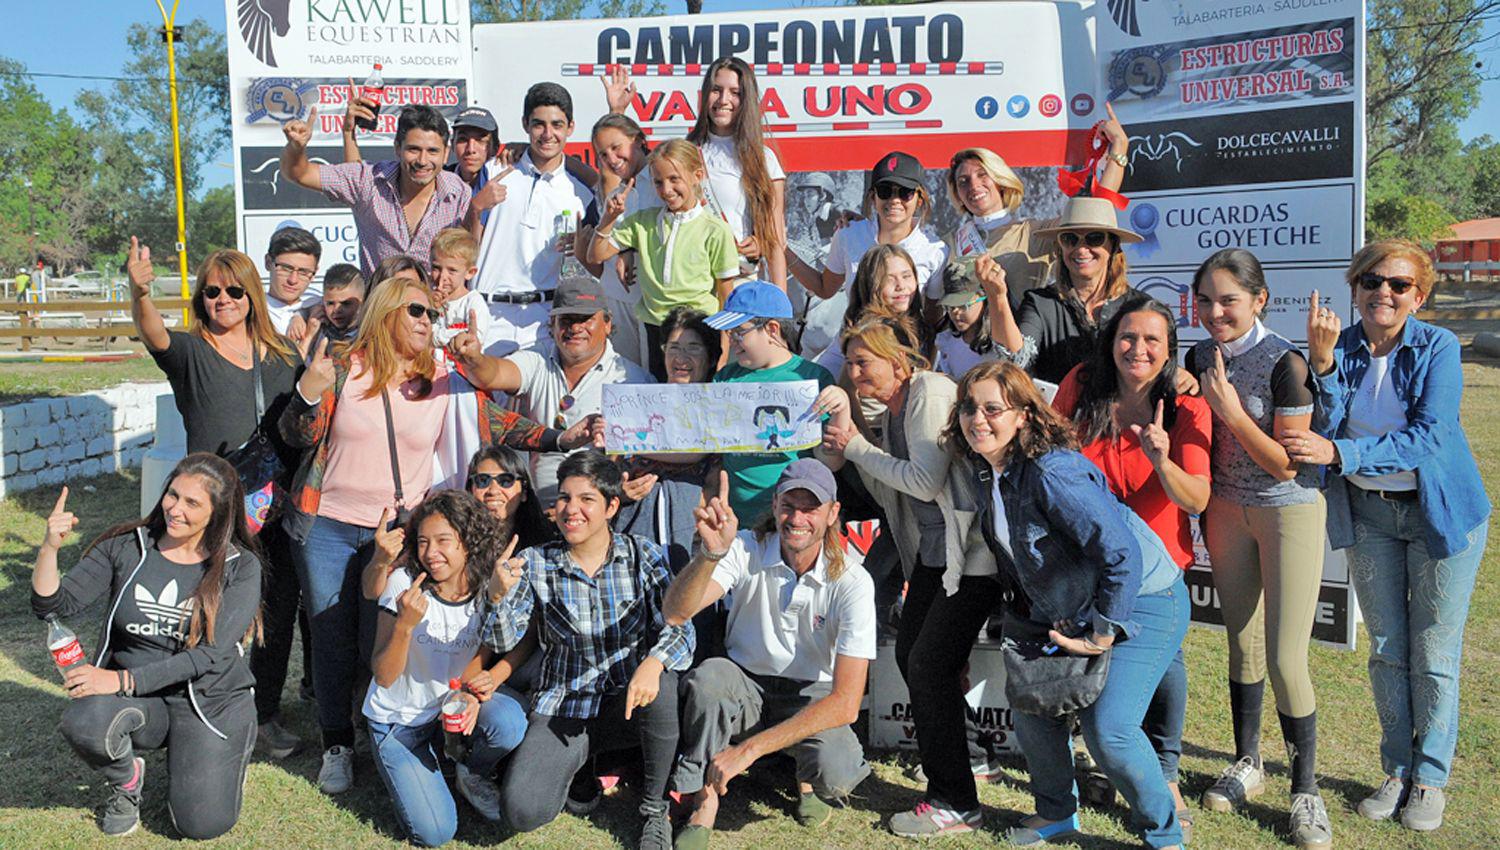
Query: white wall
[52,440]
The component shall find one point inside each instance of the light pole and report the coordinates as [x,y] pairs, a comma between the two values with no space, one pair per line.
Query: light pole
[169,34]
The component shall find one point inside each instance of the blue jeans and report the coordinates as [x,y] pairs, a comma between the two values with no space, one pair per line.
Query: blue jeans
[407,758]
[1415,608]
[342,620]
[1167,715]
[1112,726]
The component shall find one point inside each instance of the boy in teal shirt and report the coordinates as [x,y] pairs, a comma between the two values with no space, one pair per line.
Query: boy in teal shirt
[753,315]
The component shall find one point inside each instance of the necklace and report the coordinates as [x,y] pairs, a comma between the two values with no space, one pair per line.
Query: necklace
[221,342]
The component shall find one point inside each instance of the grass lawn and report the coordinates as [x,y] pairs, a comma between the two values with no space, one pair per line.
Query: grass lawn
[27,380]
[49,800]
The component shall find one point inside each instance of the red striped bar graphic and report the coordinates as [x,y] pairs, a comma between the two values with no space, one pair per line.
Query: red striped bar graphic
[671,131]
[779,69]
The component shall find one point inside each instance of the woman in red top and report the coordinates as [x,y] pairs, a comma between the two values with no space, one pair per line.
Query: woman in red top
[1152,445]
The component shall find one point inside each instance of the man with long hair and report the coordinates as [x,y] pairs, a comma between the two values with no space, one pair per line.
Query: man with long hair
[799,643]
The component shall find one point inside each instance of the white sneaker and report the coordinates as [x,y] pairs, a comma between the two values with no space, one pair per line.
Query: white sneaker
[337,773]
[481,792]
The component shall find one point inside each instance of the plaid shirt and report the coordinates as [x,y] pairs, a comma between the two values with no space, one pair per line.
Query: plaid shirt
[306,426]
[594,630]
[373,193]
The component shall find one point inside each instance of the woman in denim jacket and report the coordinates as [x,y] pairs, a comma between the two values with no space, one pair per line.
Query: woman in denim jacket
[1405,497]
[1084,572]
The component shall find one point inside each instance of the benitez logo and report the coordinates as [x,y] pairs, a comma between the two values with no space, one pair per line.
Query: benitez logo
[260,21]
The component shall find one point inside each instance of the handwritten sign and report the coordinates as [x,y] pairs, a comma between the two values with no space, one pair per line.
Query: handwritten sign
[721,418]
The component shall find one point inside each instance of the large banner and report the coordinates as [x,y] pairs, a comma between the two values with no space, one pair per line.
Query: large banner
[1247,130]
[287,57]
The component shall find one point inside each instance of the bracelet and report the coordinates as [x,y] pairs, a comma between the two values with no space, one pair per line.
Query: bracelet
[1118,159]
[1088,640]
[708,555]
[120,674]
[601,232]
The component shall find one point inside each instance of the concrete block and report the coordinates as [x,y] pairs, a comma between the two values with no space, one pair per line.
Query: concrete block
[17,483]
[52,475]
[32,460]
[73,451]
[57,409]
[9,464]
[47,434]
[100,445]
[23,440]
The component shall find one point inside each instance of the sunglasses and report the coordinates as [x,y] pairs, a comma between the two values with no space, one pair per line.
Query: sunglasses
[1370,282]
[210,292]
[482,480]
[886,191]
[564,405]
[417,311]
[967,304]
[1093,239]
[990,411]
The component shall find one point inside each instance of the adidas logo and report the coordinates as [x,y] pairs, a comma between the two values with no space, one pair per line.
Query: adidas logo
[165,614]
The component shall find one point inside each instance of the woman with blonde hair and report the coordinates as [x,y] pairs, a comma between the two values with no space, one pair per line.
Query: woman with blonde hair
[685,256]
[367,422]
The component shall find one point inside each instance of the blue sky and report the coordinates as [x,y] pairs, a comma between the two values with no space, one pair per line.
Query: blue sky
[88,38]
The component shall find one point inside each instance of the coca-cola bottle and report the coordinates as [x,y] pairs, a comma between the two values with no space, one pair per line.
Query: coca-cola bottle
[67,652]
[455,742]
[373,89]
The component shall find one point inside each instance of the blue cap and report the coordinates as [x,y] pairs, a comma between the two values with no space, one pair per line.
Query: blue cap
[754,299]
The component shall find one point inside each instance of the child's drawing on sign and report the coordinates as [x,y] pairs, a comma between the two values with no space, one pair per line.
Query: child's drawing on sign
[639,440]
[774,423]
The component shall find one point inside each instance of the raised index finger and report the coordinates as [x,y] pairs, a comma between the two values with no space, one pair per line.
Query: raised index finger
[1159,410]
[312,118]
[62,500]
[1314,303]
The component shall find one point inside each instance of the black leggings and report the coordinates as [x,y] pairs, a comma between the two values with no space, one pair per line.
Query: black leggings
[935,662]
[205,773]
[555,748]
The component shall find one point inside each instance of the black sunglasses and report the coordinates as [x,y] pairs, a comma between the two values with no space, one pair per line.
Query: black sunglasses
[886,191]
[1370,282]
[210,292]
[482,480]
[1093,239]
[417,311]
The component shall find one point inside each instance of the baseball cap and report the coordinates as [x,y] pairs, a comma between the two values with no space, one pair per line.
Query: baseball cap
[578,296]
[755,299]
[960,283]
[897,167]
[477,117]
[811,475]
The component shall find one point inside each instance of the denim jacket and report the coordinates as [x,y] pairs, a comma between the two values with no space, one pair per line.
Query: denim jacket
[1429,379]
[1077,556]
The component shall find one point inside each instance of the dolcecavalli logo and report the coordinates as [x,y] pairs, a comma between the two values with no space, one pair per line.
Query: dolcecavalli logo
[1280,145]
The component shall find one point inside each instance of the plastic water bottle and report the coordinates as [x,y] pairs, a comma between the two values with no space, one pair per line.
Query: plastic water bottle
[67,652]
[455,742]
[373,89]
[571,268]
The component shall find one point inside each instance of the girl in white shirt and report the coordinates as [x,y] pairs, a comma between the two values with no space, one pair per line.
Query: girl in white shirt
[427,635]
[746,185]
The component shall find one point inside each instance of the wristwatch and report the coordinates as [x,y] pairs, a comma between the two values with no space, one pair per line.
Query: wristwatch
[1118,159]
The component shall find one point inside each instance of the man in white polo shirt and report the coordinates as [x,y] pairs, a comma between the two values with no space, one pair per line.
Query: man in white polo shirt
[560,382]
[519,256]
[800,639]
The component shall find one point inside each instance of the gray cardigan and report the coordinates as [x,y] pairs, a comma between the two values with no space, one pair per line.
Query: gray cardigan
[931,474]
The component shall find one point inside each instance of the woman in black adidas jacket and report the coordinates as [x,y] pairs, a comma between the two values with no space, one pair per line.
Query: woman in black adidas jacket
[170,669]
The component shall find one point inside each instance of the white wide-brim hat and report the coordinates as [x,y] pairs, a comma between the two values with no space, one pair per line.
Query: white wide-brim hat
[1090,214]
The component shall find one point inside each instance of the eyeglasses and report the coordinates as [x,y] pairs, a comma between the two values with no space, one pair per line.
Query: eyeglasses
[210,292]
[417,311]
[1093,239]
[1370,282]
[564,405]
[990,411]
[886,191]
[966,305]
[739,333]
[293,271]
[482,480]
[675,349]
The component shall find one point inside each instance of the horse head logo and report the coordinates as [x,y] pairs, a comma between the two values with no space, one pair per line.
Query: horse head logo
[1159,146]
[260,21]
[1123,11]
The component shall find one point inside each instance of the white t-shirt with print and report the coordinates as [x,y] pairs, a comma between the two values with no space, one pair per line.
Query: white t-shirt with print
[456,314]
[442,644]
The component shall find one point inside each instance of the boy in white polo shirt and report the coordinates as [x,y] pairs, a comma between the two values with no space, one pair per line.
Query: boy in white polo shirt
[800,639]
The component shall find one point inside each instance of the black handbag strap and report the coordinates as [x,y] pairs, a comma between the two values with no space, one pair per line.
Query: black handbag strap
[390,439]
[260,391]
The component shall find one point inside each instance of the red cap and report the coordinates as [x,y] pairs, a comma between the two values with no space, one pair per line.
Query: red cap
[377,66]
[453,684]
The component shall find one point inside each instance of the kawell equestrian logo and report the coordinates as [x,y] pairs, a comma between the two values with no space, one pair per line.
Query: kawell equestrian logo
[260,22]
[1123,11]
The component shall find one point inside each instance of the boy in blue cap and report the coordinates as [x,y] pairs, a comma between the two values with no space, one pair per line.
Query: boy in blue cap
[753,317]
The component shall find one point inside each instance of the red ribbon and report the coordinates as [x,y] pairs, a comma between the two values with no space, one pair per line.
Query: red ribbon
[1081,182]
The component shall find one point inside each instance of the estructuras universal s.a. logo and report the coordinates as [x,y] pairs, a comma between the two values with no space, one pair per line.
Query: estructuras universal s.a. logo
[262,20]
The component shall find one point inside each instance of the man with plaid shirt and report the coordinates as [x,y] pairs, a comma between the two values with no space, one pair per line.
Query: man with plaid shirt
[609,660]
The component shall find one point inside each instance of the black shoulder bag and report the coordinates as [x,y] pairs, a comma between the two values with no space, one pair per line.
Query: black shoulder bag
[256,462]
[402,514]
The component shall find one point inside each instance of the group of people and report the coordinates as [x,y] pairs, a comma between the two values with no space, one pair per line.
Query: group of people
[411,458]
